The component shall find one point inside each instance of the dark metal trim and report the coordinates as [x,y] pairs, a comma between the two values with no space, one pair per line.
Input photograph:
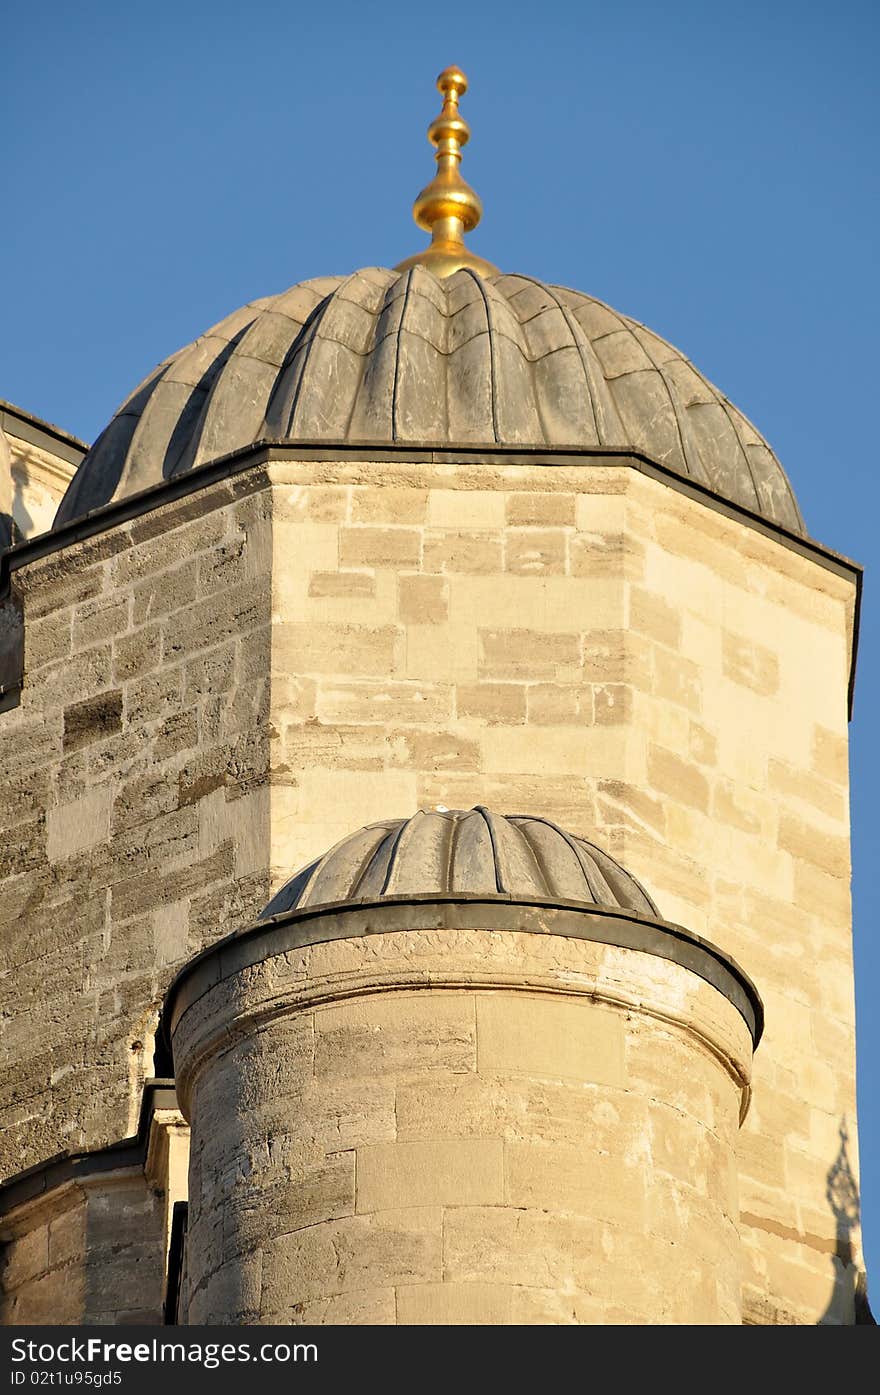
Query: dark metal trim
[176,1252]
[46,1176]
[24,426]
[571,919]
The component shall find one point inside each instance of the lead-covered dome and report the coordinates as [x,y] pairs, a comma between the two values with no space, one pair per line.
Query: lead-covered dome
[384,357]
[463,852]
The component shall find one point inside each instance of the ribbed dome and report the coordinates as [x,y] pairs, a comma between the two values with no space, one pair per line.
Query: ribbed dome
[384,356]
[516,857]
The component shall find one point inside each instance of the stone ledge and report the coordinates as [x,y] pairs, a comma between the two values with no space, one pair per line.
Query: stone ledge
[321,924]
[258,456]
[35,1183]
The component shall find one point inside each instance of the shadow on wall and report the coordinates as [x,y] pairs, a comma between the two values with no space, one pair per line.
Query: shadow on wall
[849,1294]
[24,523]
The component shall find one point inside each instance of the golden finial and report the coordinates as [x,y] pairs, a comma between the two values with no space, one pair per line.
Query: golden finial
[447,208]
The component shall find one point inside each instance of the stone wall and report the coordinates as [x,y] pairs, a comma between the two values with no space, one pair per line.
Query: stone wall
[133,803]
[92,1253]
[598,647]
[581,642]
[461,1126]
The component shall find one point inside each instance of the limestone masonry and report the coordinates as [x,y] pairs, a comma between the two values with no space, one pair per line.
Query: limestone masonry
[425,857]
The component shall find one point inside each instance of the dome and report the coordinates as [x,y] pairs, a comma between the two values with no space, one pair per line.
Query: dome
[406,357]
[467,852]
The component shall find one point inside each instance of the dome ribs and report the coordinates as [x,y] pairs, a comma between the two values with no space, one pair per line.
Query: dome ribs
[337,355]
[369,417]
[493,371]
[292,893]
[692,464]
[347,864]
[776,498]
[461,853]
[407,359]
[474,867]
[395,390]
[421,370]
[281,409]
[561,403]
[101,471]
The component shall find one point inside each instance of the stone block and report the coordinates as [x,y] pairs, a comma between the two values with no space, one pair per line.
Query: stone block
[632,806]
[363,1307]
[475,509]
[579,751]
[408,1033]
[473,553]
[549,1037]
[579,1179]
[805,841]
[612,704]
[84,823]
[48,640]
[536,552]
[670,775]
[387,703]
[363,651]
[68,590]
[805,787]
[560,704]
[447,1172]
[353,1254]
[236,611]
[389,505]
[360,586]
[677,680]
[830,755]
[412,749]
[654,617]
[313,1194]
[529,510]
[607,555]
[495,703]
[62,683]
[702,745]
[94,719]
[380,547]
[528,654]
[161,545]
[230,1296]
[749,664]
[820,893]
[136,653]
[455,1305]
[500,1246]
[312,503]
[441,652]
[27,1258]
[423,600]
[157,595]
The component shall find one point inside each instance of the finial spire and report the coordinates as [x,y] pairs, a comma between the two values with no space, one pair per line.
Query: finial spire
[447,208]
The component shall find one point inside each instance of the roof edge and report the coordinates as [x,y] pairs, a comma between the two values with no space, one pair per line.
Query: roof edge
[264,452]
[26,426]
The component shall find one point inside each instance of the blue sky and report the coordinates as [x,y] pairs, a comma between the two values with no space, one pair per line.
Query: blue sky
[708,168]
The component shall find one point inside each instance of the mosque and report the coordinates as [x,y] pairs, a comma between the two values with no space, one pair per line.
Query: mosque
[425,858]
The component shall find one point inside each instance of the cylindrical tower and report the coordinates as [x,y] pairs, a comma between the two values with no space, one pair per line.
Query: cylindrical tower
[461,1072]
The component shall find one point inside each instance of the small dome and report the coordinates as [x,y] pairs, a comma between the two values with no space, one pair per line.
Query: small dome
[468,852]
[383,357]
